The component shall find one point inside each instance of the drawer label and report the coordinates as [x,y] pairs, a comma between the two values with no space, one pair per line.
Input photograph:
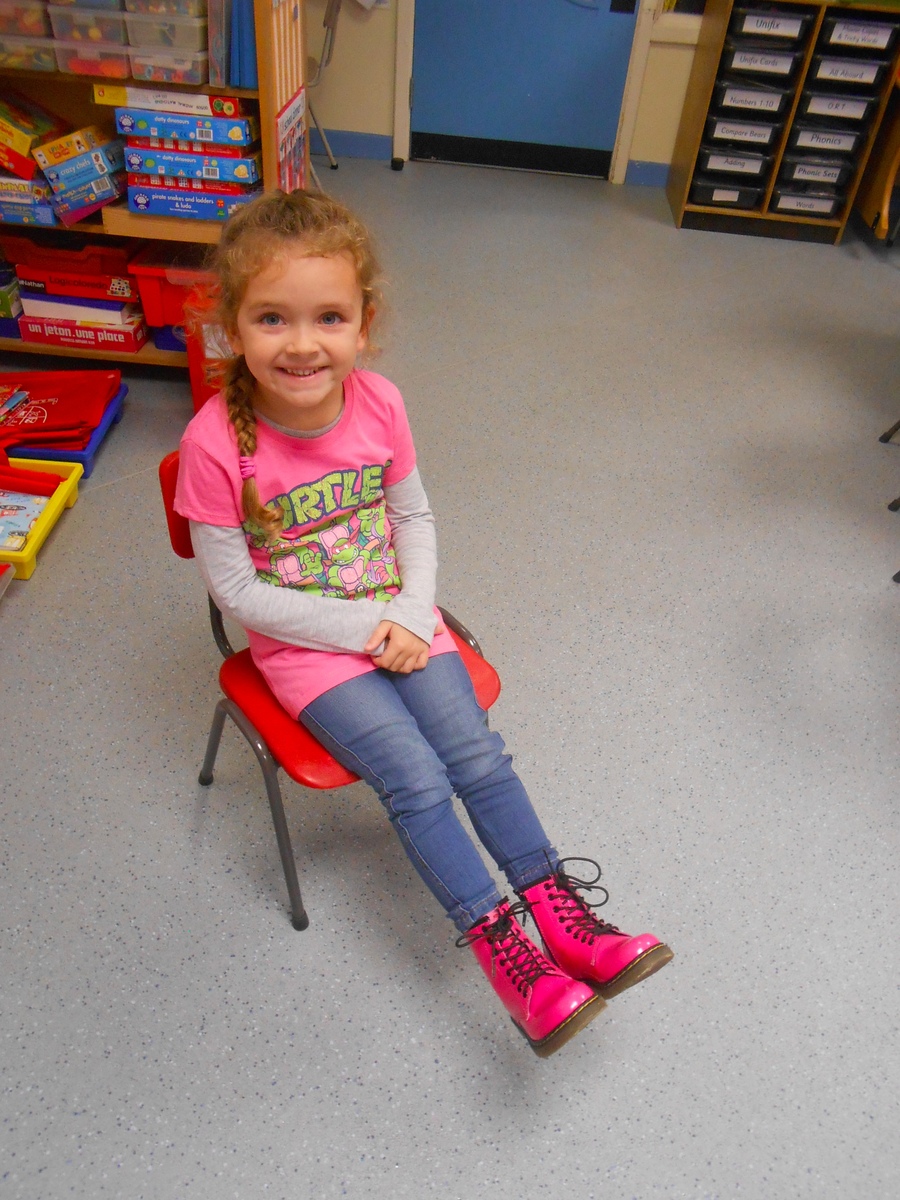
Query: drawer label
[744,98]
[814,174]
[738,131]
[771,26]
[847,71]
[810,204]
[857,33]
[767,64]
[835,106]
[825,139]
[725,195]
[734,163]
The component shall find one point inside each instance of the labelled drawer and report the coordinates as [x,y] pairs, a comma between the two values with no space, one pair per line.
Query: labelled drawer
[745,96]
[819,202]
[784,25]
[851,33]
[835,71]
[735,132]
[161,66]
[822,139]
[722,194]
[834,106]
[810,169]
[756,60]
[721,161]
[87,25]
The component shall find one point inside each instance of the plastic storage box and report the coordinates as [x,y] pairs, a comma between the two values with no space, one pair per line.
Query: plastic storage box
[25,560]
[717,192]
[166,273]
[92,58]
[178,8]
[162,67]
[87,25]
[165,31]
[27,53]
[26,18]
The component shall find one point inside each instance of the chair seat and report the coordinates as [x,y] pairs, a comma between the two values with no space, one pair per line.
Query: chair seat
[292,746]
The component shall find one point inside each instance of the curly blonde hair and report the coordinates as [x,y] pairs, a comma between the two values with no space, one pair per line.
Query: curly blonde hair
[258,234]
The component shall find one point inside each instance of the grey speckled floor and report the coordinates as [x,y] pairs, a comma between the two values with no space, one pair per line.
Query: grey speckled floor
[654,458]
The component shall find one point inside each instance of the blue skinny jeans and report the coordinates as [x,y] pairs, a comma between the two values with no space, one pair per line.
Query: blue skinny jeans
[417,739]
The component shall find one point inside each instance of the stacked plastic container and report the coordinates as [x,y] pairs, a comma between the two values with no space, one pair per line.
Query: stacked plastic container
[159,41]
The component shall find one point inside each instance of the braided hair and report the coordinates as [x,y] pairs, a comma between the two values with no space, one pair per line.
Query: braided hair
[258,234]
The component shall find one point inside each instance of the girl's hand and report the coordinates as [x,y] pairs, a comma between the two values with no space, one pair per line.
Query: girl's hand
[403,652]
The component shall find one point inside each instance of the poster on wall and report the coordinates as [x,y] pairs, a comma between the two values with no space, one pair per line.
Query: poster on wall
[290,132]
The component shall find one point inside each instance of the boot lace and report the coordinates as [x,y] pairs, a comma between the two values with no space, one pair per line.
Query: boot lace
[574,913]
[522,961]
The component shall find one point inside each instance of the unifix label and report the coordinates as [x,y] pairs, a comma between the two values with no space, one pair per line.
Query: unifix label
[745,98]
[858,33]
[771,26]
[765,64]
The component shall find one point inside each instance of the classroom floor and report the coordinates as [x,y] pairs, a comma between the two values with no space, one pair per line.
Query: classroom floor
[662,506]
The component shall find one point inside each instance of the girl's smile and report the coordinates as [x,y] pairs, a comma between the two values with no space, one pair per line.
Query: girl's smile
[300,328]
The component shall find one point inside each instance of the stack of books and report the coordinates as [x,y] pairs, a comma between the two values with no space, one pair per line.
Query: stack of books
[186,155]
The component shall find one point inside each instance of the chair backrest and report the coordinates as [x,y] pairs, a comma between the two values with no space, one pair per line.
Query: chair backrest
[179,528]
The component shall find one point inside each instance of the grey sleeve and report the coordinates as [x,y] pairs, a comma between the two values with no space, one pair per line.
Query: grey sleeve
[289,615]
[415,544]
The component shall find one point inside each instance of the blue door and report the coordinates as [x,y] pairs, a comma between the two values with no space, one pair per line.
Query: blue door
[520,83]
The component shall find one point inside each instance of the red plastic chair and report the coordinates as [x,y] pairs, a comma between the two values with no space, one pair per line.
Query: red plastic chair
[276,738]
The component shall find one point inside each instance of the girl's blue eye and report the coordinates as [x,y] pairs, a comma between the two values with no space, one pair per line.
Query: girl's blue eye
[271,319]
[331,318]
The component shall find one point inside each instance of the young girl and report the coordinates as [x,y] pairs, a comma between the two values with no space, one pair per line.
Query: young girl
[312,530]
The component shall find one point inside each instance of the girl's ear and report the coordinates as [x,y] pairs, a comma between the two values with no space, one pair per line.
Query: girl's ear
[234,341]
[363,339]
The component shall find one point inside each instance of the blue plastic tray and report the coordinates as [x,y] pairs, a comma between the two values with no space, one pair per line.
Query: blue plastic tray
[111,416]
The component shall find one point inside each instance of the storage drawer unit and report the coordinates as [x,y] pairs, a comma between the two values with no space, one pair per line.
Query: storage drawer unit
[783,106]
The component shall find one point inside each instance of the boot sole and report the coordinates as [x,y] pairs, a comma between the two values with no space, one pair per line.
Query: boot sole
[648,964]
[563,1033]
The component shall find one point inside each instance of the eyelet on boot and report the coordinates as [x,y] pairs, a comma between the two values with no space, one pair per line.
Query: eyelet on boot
[546,1005]
[584,946]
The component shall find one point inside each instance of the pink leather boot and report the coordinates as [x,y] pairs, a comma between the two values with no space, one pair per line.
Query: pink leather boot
[546,1006]
[585,947]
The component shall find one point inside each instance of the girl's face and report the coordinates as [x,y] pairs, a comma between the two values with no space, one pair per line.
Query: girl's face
[300,328]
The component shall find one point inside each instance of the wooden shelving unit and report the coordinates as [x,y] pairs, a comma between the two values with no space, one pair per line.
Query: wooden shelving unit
[722,29]
[281,54]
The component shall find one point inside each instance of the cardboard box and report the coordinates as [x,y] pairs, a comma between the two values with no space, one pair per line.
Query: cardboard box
[24,125]
[36,213]
[70,146]
[193,166]
[236,131]
[10,303]
[202,206]
[180,146]
[104,159]
[14,190]
[102,189]
[182,184]
[78,308]
[128,338]
[170,102]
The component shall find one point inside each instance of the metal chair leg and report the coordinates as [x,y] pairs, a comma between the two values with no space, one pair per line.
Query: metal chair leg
[212,745]
[332,161]
[269,768]
[886,436]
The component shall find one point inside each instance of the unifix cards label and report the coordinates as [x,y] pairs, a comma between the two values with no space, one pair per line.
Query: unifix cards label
[128,338]
[185,103]
[177,146]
